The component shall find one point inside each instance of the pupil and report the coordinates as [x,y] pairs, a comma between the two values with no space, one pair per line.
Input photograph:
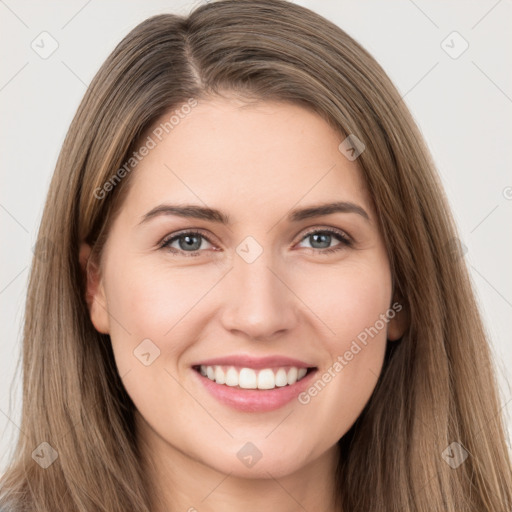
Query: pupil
[190,242]
[326,239]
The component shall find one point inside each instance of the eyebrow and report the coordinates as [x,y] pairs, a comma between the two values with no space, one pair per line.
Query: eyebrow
[213,215]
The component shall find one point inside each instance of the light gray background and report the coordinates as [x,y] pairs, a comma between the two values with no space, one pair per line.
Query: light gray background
[463,107]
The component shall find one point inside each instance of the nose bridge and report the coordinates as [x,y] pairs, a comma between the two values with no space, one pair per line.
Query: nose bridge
[258,302]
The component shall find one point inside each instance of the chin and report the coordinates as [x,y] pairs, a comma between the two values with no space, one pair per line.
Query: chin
[258,463]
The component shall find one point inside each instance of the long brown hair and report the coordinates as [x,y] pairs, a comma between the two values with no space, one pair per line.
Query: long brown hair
[438,382]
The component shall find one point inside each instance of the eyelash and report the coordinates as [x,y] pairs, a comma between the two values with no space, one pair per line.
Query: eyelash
[342,237]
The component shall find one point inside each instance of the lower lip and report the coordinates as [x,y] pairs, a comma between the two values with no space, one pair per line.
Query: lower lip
[255,400]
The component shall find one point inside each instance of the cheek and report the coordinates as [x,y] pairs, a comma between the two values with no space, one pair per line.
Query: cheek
[152,302]
[353,304]
[154,311]
[347,301]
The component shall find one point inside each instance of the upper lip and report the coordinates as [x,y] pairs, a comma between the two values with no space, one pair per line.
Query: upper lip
[246,361]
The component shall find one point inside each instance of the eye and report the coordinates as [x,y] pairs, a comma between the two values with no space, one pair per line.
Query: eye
[324,237]
[190,242]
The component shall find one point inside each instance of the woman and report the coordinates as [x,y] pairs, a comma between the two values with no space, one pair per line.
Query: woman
[183,348]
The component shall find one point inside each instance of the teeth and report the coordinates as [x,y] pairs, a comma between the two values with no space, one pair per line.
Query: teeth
[248,378]
[266,379]
[281,378]
[231,377]
[220,376]
[292,375]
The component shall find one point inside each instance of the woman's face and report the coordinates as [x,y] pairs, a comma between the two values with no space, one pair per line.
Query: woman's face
[250,285]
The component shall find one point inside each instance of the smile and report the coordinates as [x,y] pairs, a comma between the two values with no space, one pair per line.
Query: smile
[249,378]
[252,384]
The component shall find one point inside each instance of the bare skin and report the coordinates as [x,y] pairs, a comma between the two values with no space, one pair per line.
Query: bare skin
[255,163]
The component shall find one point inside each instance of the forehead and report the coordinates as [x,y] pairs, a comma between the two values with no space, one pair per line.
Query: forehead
[251,157]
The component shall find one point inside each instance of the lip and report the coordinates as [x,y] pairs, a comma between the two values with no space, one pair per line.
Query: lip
[256,363]
[255,400]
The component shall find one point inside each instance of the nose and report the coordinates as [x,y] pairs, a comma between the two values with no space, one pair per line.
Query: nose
[259,302]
